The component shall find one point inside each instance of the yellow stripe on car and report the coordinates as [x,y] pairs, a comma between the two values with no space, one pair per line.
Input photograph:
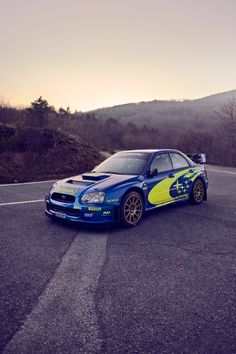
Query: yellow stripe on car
[160,193]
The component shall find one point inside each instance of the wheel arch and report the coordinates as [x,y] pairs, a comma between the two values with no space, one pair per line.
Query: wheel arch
[135,189]
[205,190]
[129,190]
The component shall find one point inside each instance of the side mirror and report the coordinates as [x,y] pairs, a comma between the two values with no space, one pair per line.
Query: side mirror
[152,173]
[200,158]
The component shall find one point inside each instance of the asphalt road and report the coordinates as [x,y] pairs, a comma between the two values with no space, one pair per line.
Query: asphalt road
[166,286]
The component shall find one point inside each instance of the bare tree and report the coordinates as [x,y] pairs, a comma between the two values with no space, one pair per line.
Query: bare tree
[228,115]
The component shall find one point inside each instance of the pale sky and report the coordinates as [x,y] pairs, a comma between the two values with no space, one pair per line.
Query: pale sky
[88,54]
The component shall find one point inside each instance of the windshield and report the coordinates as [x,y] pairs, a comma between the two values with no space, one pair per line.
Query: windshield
[127,163]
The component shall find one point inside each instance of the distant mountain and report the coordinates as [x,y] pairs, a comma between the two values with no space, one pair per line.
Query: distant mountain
[218,98]
[158,111]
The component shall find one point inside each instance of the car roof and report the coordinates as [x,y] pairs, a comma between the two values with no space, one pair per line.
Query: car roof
[151,151]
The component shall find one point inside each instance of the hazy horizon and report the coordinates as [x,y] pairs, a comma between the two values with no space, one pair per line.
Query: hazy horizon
[93,54]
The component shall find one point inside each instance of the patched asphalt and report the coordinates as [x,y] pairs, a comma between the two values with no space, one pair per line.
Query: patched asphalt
[166,286]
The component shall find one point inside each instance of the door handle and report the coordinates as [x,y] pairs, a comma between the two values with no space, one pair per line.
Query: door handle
[171,175]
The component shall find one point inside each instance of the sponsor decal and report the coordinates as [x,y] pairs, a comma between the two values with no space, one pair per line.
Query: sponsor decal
[94,209]
[88,215]
[168,190]
[106,212]
[112,200]
[66,191]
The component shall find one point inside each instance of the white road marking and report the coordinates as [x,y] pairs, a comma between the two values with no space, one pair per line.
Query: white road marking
[25,183]
[65,316]
[23,202]
[221,171]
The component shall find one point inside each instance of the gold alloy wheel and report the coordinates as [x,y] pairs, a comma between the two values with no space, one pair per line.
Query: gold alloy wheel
[198,191]
[133,209]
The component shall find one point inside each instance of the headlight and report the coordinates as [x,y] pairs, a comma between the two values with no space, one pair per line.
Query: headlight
[95,197]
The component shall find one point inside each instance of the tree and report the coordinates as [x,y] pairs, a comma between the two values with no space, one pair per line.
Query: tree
[228,115]
[40,110]
[64,112]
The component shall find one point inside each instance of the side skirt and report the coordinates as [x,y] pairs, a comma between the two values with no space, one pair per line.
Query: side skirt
[172,202]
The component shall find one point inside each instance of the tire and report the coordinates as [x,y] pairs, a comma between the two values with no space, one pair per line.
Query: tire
[198,192]
[132,209]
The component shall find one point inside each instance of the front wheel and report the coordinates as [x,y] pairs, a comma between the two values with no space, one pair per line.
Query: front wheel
[132,209]
[198,191]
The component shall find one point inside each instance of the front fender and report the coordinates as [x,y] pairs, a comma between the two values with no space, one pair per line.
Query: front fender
[115,195]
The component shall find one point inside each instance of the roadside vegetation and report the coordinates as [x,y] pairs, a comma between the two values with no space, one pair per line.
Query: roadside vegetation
[34,147]
[39,130]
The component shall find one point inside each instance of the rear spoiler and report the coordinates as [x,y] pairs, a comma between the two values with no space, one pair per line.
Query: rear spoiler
[198,158]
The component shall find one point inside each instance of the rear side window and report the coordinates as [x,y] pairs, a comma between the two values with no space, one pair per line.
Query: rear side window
[162,163]
[178,161]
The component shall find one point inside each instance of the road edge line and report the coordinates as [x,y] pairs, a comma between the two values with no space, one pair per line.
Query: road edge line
[23,202]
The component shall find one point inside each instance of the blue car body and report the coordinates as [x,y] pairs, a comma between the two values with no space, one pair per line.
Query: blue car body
[172,186]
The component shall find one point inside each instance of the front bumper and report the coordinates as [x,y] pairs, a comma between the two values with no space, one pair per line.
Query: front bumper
[95,214]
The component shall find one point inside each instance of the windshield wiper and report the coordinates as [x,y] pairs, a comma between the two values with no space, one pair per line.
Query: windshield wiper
[113,173]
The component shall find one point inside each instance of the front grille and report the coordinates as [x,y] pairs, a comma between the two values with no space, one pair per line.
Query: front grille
[64,198]
[61,209]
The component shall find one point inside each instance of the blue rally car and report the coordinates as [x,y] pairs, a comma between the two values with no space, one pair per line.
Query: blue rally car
[128,184]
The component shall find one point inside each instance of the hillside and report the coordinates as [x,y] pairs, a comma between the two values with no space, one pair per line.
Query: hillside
[35,154]
[204,125]
[159,111]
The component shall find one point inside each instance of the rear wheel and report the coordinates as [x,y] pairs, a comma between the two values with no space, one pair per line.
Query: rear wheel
[198,192]
[132,209]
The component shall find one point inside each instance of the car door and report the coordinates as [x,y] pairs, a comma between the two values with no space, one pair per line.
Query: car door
[182,176]
[159,182]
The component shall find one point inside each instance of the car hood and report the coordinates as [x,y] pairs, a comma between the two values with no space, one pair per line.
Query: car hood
[91,182]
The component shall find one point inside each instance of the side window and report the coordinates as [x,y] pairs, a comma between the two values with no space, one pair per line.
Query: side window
[178,161]
[162,163]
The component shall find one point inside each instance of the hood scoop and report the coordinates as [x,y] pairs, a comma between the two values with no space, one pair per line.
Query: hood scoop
[82,183]
[94,177]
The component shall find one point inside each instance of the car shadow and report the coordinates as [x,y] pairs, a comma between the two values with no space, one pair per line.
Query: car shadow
[83,226]
[116,227]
